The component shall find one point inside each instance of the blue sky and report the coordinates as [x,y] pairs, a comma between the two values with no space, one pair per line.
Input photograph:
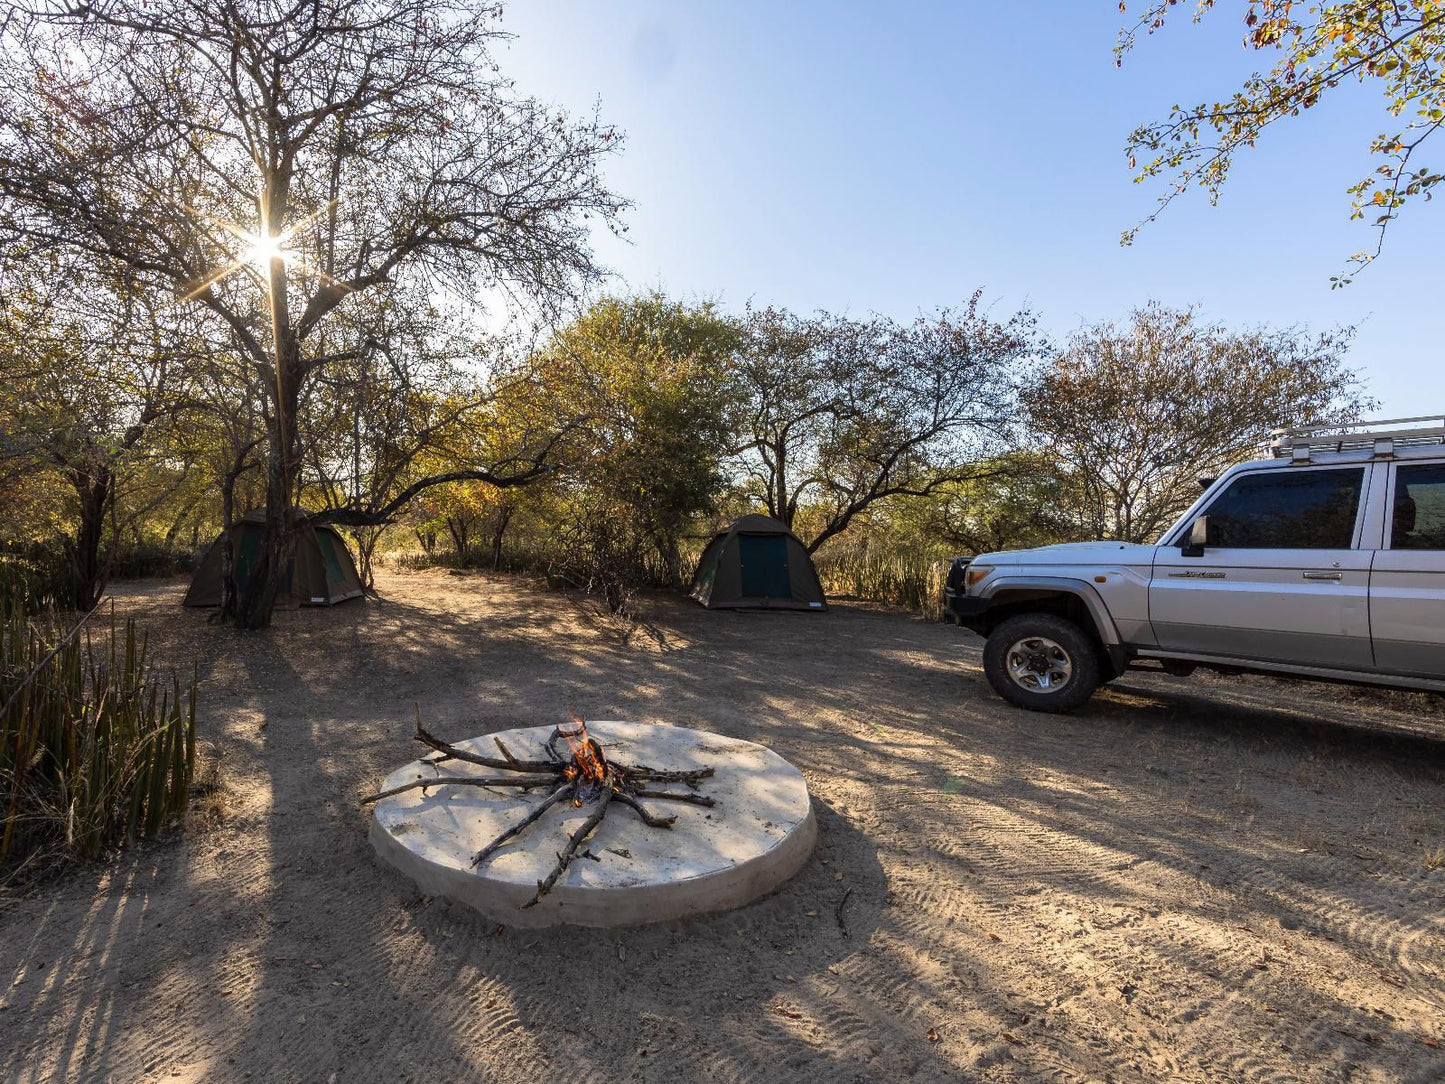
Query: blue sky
[893,158]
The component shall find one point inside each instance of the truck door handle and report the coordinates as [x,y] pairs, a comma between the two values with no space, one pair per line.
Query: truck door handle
[1336,576]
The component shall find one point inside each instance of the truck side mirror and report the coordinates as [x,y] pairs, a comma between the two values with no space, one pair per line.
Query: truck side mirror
[1198,535]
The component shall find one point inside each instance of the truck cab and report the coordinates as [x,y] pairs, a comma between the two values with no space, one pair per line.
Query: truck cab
[1326,560]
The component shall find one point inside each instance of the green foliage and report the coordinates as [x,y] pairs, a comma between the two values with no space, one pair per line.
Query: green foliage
[1399,45]
[892,555]
[653,379]
[95,748]
[147,559]
[1016,500]
[92,386]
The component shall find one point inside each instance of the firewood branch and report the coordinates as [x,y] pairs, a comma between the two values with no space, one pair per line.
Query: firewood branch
[642,772]
[427,738]
[564,791]
[668,796]
[520,782]
[565,858]
[650,819]
[587,776]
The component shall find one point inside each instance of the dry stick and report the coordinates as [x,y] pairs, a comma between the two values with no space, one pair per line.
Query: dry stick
[506,753]
[661,775]
[633,772]
[649,819]
[838,914]
[426,738]
[552,799]
[564,859]
[667,796]
[522,783]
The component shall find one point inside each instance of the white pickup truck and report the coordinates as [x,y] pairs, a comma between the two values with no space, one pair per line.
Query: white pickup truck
[1325,561]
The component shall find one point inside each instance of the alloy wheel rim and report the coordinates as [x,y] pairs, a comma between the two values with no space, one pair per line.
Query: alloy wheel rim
[1038,664]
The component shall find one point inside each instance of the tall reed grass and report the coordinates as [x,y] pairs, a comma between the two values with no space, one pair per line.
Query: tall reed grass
[912,581]
[96,749]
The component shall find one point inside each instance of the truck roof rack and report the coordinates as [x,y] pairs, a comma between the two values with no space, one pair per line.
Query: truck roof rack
[1380,437]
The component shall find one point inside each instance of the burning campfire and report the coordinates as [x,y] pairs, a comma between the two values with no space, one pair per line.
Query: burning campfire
[585,777]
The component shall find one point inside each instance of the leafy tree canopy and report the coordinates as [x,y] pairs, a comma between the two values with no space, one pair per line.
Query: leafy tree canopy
[1398,46]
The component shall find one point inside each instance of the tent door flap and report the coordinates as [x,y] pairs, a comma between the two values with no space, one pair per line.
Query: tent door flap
[763,561]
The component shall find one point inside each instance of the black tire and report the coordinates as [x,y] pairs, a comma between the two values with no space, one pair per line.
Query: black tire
[1064,662]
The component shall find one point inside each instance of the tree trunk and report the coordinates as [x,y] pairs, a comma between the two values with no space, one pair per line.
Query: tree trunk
[283,467]
[783,509]
[88,575]
[283,448]
[460,529]
[174,531]
[504,517]
[671,560]
[265,579]
[228,610]
[366,540]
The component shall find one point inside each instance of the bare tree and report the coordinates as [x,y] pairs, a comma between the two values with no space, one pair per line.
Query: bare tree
[844,413]
[416,401]
[271,159]
[1133,416]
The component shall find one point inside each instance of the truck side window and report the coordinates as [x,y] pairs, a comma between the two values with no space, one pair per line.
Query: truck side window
[1418,520]
[1287,510]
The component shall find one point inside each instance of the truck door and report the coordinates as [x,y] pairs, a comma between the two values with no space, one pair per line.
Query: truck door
[1407,584]
[1282,578]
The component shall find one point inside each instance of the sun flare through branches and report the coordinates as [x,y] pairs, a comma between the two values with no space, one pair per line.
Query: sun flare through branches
[259,251]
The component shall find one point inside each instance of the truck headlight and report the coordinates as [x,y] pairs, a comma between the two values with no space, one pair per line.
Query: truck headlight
[975,573]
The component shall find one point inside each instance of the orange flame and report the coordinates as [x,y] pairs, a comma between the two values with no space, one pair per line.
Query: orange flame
[587,760]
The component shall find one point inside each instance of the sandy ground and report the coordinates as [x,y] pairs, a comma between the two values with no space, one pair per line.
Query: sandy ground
[1195,880]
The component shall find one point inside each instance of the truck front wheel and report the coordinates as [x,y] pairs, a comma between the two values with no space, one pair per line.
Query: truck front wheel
[1041,662]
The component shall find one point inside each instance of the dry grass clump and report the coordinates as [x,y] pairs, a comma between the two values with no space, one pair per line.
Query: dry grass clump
[210,800]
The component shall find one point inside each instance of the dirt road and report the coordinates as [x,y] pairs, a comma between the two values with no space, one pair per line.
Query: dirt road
[1189,881]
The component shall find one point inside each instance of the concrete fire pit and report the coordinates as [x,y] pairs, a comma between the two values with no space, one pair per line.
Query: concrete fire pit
[758,833]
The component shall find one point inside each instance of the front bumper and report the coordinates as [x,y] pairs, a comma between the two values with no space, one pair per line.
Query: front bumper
[967,611]
[958,607]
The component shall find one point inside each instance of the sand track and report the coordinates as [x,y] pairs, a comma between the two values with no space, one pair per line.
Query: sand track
[1192,880]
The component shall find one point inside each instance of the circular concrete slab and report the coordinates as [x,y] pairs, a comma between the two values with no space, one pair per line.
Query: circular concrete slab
[759,833]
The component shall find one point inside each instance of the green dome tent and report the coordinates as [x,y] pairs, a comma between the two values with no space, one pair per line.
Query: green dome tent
[757,564]
[322,572]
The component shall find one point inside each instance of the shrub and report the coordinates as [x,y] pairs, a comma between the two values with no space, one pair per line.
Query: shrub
[95,748]
[147,560]
[32,575]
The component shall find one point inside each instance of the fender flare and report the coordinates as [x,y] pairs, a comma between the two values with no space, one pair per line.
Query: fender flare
[1084,592]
